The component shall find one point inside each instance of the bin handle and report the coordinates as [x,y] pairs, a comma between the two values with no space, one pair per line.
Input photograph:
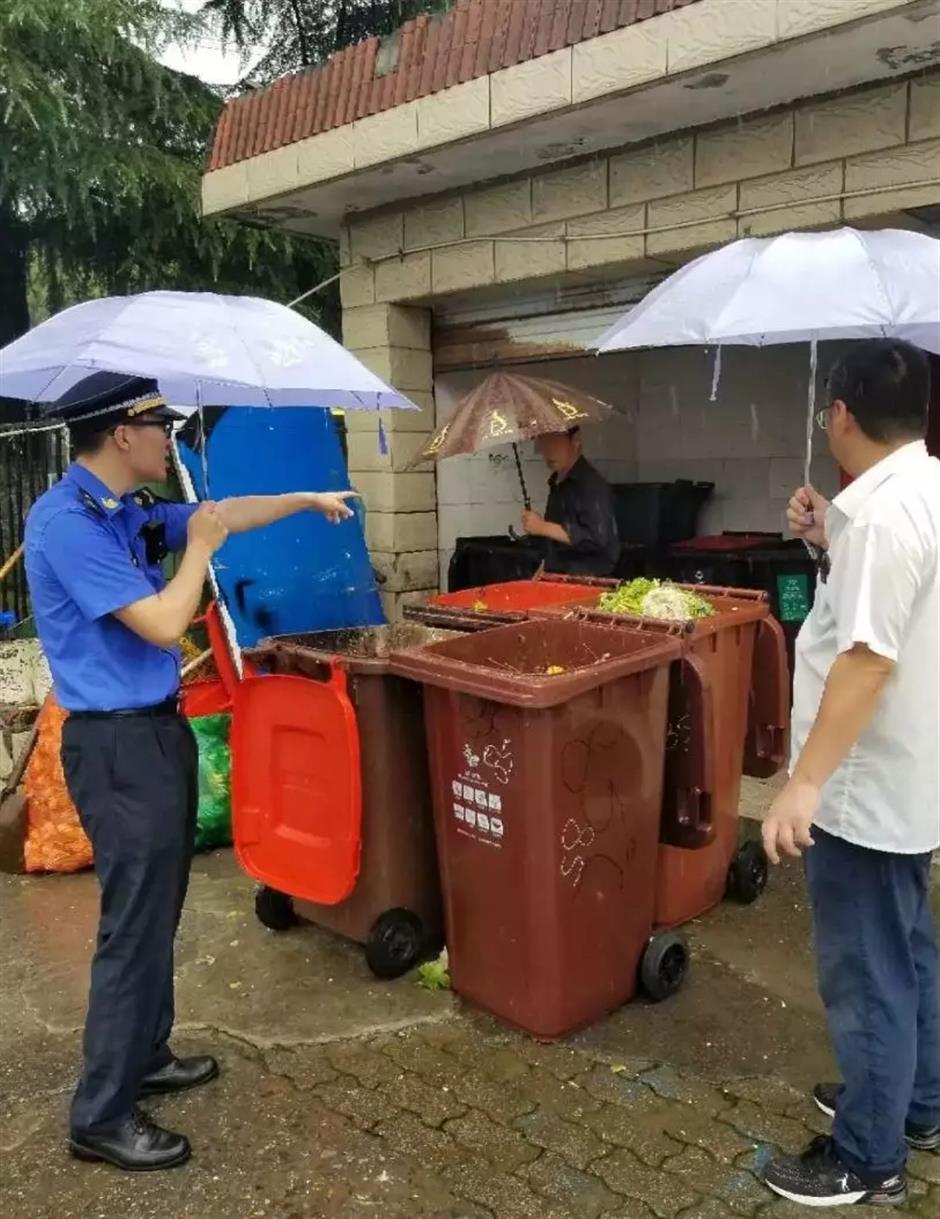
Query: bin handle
[757,595]
[690,756]
[630,622]
[450,617]
[767,745]
[552,577]
[228,674]
[327,672]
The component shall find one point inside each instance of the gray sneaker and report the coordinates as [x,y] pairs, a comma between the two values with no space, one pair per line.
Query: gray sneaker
[818,1178]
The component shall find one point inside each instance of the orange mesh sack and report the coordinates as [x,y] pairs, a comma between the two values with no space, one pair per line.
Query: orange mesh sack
[55,840]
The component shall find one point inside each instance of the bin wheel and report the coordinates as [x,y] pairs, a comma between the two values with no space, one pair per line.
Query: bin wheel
[275,910]
[665,964]
[397,941]
[747,877]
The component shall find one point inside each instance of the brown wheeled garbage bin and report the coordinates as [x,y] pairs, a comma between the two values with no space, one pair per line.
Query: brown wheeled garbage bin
[331,807]
[546,742]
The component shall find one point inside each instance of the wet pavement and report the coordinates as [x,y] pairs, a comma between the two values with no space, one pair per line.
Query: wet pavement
[345,1098]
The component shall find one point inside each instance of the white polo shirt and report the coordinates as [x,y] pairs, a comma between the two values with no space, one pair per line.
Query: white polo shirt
[883,590]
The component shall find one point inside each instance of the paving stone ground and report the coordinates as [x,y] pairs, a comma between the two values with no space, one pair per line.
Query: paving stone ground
[344,1098]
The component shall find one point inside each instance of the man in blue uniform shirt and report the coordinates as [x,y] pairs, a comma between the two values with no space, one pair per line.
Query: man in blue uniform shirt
[110,626]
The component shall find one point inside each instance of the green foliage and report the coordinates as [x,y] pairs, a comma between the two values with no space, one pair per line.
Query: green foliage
[300,33]
[101,154]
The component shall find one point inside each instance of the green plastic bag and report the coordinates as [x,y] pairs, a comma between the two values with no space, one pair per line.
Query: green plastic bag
[214,815]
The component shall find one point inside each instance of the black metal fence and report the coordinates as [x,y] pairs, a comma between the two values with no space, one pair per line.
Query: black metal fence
[30,462]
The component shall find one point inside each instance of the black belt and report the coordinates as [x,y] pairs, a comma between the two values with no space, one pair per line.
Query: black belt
[169,706]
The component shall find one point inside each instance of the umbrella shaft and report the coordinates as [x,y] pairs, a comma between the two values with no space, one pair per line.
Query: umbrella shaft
[525,490]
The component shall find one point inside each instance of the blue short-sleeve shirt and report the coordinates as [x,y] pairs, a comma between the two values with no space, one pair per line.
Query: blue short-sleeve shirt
[86,557]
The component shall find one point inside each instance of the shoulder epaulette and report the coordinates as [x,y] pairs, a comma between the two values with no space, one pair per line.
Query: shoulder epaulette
[90,502]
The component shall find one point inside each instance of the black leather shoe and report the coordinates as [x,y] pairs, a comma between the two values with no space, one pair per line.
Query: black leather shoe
[180,1074]
[138,1145]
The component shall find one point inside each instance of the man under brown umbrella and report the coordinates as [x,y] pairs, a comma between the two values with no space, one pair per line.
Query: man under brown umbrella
[578,529]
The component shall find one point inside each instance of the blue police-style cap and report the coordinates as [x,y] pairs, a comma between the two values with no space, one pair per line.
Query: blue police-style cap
[112,398]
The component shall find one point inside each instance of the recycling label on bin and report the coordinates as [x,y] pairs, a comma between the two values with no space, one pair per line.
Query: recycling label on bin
[478,808]
[793,597]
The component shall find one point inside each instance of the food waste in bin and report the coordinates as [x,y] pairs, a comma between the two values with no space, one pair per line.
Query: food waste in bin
[331,804]
[515,596]
[547,790]
[656,599]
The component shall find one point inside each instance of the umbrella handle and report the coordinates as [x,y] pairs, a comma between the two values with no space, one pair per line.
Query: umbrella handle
[525,491]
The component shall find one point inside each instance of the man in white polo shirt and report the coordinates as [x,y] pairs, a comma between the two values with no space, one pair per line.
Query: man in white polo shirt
[863,797]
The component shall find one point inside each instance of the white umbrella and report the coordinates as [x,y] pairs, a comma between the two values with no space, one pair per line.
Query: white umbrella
[846,284]
[203,349]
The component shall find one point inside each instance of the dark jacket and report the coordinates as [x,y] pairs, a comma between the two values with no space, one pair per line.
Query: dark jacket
[582,504]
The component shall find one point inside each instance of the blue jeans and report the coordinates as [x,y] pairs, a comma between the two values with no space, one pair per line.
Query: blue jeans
[879,978]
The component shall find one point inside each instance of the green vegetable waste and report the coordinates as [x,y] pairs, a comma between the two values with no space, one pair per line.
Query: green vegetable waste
[435,975]
[214,813]
[655,599]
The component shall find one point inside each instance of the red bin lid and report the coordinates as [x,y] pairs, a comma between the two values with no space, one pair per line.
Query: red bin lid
[725,542]
[297,785]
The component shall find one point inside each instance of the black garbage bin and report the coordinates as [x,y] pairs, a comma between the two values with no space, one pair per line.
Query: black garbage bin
[653,516]
[719,559]
[783,569]
[787,572]
[658,514]
[491,560]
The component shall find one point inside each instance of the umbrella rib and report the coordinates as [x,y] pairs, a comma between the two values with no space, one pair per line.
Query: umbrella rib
[878,280]
[126,303]
[254,363]
[750,268]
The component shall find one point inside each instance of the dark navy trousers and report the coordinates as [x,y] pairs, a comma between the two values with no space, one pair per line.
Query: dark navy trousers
[876,952]
[134,782]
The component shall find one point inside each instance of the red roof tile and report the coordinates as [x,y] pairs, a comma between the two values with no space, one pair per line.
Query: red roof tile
[461,45]
[472,39]
[502,17]
[591,24]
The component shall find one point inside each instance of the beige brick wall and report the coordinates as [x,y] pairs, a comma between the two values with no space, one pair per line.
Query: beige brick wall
[401,503]
[790,190]
[665,167]
[854,122]
[675,218]
[777,168]
[498,209]
[527,258]
[759,146]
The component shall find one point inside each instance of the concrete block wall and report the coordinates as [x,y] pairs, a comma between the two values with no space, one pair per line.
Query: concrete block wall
[401,518]
[749,442]
[762,174]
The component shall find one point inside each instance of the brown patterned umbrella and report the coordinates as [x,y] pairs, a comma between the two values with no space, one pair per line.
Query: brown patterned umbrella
[507,408]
